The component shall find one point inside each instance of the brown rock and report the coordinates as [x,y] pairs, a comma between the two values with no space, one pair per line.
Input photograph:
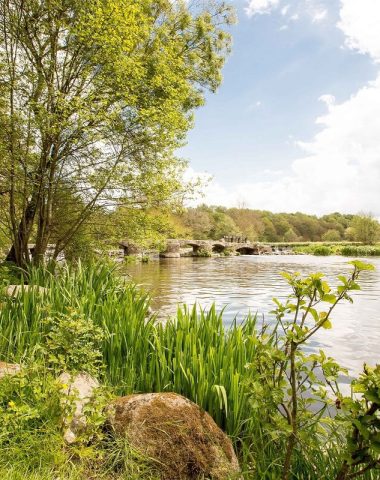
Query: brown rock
[182,439]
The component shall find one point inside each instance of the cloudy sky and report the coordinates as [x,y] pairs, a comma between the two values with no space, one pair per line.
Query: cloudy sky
[296,123]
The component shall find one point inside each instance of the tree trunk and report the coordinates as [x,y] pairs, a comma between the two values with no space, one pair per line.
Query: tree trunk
[342,475]
[19,252]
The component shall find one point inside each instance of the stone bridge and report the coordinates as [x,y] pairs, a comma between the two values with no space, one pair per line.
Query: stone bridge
[176,248]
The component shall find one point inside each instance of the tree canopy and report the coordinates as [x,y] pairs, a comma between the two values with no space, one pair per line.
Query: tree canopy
[96,96]
[259,225]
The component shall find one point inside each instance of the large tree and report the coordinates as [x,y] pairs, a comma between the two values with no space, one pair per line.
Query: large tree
[366,229]
[96,96]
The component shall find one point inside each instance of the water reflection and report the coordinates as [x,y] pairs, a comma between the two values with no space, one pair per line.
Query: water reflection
[248,284]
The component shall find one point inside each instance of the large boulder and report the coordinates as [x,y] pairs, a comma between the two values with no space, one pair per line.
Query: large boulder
[79,389]
[182,439]
[9,369]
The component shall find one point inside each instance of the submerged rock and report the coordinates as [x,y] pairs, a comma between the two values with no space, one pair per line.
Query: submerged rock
[183,441]
[9,369]
[81,388]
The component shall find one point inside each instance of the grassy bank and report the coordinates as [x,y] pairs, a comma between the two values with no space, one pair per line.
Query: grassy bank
[194,354]
[331,248]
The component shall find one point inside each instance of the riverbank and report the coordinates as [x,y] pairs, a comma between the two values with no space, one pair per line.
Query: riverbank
[343,249]
[195,355]
[222,248]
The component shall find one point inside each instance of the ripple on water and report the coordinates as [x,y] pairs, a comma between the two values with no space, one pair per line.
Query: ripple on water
[248,284]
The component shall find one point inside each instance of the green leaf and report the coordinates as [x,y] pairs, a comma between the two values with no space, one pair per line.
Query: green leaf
[327,325]
[362,265]
[314,313]
[329,298]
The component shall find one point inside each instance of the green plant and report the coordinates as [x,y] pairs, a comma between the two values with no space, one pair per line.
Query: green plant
[322,251]
[360,251]
[203,252]
[73,343]
[362,416]
[284,376]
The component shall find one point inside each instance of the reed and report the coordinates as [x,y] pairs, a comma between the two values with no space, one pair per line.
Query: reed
[193,354]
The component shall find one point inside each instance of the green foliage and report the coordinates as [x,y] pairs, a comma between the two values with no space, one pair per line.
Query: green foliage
[322,251]
[365,228]
[103,124]
[344,249]
[331,235]
[291,388]
[257,225]
[362,415]
[360,251]
[9,274]
[73,343]
[240,374]
[28,400]
[203,252]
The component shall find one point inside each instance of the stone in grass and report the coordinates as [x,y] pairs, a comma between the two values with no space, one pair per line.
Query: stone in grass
[15,290]
[182,440]
[81,388]
[9,369]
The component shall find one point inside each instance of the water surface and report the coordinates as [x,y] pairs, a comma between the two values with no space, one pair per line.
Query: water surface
[248,284]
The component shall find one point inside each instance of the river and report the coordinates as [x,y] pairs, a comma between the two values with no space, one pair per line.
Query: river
[248,284]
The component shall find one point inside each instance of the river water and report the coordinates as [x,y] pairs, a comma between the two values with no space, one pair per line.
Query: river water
[248,284]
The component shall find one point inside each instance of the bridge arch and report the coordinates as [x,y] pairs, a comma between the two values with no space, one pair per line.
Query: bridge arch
[248,250]
[218,247]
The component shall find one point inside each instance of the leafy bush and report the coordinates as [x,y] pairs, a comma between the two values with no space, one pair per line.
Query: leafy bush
[322,251]
[203,252]
[74,343]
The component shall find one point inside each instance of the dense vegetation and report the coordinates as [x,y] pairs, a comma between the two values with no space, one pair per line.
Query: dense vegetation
[89,319]
[95,98]
[349,235]
[216,222]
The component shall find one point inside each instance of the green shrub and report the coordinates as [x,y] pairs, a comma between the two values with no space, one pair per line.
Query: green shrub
[203,252]
[360,251]
[74,343]
[322,251]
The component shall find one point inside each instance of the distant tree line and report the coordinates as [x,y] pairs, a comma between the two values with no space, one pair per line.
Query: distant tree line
[215,222]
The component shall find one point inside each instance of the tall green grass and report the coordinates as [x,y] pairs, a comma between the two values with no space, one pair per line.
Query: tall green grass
[360,251]
[346,250]
[193,354]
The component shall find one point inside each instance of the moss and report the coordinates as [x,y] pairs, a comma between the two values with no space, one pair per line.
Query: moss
[181,439]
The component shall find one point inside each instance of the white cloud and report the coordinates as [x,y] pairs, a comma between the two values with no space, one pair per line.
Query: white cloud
[319,15]
[294,17]
[360,22]
[260,7]
[284,27]
[285,10]
[339,169]
[327,99]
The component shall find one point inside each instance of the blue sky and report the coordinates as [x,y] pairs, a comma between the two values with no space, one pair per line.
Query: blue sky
[293,99]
